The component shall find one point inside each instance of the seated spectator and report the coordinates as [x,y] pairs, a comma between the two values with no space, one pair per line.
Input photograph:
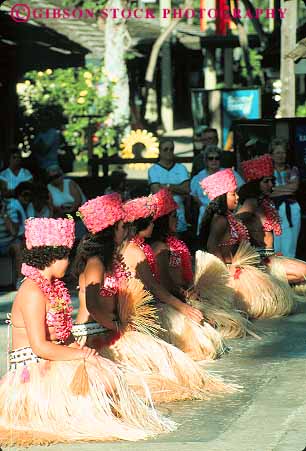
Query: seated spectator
[15,173]
[206,137]
[22,198]
[173,176]
[66,195]
[117,184]
[287,181]
[198,138]
[211,158]
[41,205]
[10,243]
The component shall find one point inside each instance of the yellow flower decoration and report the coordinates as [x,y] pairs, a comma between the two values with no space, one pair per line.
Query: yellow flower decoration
[81,100]
[49,71]
[143,137]
[87,75]
[83,93]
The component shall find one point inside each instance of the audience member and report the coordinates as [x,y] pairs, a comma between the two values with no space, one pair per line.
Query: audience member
[10,243]
[15,173]
[173,176]
[284,196]
[117,184]
[207,137]
[22,198]
[66,195]
[47,142]
[41,205]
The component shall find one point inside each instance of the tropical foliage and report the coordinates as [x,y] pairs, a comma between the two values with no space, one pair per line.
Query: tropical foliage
[65,98]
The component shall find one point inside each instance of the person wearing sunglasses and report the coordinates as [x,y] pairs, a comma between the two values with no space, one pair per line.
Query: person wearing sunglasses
[211,158]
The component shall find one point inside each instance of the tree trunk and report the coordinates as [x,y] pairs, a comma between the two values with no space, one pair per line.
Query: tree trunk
[117,42]
[288,42]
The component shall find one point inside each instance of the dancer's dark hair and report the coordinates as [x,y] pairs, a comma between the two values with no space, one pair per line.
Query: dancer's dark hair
[217,206]
[137,226]
[101,245]
[41,257]
[250,190]
[161,229]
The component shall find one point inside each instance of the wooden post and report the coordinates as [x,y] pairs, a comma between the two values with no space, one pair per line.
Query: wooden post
[287,74]
[228,68]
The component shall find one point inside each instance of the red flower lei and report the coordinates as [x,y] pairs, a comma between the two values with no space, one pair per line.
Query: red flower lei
[148,251]
[272,222]
[238,230]
[179,248]
[59,313]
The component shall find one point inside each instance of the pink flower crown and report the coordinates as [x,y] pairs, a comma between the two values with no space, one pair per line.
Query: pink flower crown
[257,168]
[49,232]
[219,183]
[101,212]
[142,207]
[164,203]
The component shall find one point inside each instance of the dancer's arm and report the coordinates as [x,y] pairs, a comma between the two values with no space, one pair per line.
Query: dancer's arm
[93,280]
[218,230]
[144,273]
[167,278]
[33,310]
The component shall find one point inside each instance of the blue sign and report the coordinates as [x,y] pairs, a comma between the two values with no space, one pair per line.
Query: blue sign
[300,147]
[238,104]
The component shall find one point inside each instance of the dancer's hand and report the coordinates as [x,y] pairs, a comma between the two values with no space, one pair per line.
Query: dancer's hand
[192,313]
[88,353]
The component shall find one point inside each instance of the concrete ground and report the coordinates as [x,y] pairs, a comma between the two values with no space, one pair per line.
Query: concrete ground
[268,415]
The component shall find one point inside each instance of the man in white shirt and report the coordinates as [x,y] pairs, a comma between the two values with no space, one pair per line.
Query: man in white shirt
[14,174]
[173,176]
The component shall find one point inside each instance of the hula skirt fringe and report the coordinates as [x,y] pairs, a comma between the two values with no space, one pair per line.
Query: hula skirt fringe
[170,373]
[277,269]
[37,405]
[216,300]
[258,293]
[200,342]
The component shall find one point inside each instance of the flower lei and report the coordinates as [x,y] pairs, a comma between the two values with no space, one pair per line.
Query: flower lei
[178,247]
[120,271]
[59,313]
[148,251]
[272,222]
[238,230]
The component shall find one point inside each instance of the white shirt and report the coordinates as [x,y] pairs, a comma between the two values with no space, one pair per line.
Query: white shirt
[176,175]
[12,180]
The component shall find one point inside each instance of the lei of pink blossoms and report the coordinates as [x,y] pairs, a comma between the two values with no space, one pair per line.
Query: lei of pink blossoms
[179,247]
[148,251]
[59,313]
[272,222]
[238,230]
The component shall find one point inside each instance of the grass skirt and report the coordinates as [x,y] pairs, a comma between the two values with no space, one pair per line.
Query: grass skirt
[37,404]
[258,293]
[170,373]
[200,342]
[215,299]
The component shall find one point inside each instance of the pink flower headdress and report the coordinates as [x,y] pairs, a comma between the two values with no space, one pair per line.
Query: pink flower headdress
[142,207]
[101,212]
[219,183]
[258,168]
[164,203]
[49,232]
